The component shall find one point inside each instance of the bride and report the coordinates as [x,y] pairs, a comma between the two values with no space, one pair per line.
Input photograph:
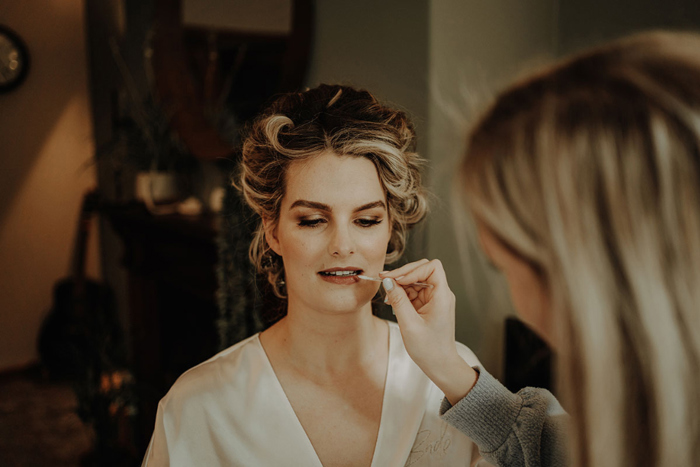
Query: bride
[334,178]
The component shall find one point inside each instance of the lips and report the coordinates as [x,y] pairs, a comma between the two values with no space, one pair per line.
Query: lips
[341,276]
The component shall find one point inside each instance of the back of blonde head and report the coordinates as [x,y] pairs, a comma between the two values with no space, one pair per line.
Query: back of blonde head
[591,171]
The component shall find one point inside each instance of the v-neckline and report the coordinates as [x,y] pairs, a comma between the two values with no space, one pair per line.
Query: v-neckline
[387,385]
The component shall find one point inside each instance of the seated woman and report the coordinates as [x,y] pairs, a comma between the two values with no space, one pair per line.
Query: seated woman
[333,175]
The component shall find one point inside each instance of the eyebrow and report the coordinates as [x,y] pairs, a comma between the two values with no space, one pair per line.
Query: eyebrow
[324,207]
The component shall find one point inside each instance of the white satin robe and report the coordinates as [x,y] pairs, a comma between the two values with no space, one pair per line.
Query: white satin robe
[232,411]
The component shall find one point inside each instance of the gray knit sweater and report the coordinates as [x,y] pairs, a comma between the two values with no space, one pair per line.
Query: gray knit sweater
[526,429]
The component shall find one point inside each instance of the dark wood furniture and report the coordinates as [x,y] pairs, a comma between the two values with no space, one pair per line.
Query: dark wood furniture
[171,263]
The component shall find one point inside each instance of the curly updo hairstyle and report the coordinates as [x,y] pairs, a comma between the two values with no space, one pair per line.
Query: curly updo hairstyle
[348,122]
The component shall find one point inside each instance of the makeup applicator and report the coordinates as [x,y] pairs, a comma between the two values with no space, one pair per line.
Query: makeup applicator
[376,279]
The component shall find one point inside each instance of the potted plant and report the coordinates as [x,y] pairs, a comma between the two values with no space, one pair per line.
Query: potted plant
[145,142]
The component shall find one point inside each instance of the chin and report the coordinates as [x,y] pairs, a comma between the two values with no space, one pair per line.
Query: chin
[330,298]
[344,303]
[339,302]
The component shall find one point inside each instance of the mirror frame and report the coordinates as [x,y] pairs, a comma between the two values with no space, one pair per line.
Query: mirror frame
[177,87]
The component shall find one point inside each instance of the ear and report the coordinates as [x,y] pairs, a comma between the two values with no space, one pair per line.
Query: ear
[270,229]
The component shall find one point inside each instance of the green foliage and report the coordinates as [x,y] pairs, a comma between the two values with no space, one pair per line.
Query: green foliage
[240,301]
[143,137]
[148,142]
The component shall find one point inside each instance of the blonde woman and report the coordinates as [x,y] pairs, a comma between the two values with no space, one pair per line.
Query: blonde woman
[335,181]
[584,182]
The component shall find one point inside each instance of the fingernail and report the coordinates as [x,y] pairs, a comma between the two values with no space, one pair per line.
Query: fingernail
[383,272]
[388,284]
[386,300]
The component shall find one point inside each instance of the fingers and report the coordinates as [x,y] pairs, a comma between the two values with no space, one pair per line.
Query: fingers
[399,301]
[431,272]
[411,292]
[406,268]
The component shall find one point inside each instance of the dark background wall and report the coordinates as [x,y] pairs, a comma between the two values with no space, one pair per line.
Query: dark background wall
[585,22]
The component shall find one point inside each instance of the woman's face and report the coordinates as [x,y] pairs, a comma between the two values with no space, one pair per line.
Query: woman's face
[527,289]
[333,225]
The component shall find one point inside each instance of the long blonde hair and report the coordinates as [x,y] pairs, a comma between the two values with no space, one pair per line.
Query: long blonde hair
[591,171]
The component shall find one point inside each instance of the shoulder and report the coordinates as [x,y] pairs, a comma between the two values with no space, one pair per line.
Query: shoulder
[212,377]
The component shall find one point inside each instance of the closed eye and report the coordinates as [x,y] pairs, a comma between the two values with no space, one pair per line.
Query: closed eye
[363,222]
[315,222]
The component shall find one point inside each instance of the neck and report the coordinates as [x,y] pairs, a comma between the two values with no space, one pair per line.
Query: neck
[328,343]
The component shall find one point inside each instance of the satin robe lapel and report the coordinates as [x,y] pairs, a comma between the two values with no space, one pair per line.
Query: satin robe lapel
[405,397]
[296,447]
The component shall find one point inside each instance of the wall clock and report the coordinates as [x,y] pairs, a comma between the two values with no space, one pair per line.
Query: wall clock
[14,60]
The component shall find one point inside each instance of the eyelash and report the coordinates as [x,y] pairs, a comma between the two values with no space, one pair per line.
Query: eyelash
[310,222]
[368,222]
[365,223]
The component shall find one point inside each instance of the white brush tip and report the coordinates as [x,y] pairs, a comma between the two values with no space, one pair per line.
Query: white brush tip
[367,278]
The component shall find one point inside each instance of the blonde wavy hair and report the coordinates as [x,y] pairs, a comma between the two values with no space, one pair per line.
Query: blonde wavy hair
[343,120]
[590,170]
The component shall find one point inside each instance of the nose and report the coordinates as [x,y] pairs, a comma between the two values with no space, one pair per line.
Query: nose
[341,243]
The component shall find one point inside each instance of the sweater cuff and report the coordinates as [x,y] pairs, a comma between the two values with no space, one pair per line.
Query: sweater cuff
[486,414]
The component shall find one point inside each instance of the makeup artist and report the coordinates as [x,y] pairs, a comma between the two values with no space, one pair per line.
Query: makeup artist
[584,183]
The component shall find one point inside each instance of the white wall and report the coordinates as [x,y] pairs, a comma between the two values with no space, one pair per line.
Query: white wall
[475,48]
[46,136]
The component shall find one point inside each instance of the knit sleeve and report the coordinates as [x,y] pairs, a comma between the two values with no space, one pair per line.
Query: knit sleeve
[526,429]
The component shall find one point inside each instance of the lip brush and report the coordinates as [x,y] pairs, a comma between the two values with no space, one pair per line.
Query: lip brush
[376,279]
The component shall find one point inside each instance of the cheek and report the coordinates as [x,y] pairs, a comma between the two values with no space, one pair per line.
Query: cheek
[522,298]
[530,301]
[374,245]
[297,249]
[300,261]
